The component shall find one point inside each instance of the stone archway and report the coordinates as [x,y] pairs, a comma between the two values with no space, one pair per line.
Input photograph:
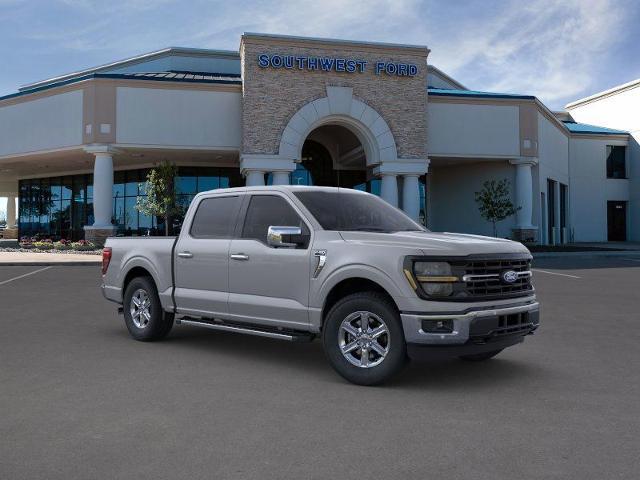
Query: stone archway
[339,107]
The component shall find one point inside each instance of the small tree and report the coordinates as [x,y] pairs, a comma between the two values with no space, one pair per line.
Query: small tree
[494,202]
[160,200]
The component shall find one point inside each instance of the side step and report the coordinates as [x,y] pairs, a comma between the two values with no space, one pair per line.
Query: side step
[249,330]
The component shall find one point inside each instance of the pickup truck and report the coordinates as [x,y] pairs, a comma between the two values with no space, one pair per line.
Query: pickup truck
[295,263]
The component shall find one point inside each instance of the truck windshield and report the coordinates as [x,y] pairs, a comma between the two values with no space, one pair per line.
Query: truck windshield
[355,212]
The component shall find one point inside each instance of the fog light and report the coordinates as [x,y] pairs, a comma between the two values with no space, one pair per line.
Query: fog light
[437,326]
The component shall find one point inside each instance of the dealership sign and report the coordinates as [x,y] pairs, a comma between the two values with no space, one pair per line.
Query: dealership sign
[334,64]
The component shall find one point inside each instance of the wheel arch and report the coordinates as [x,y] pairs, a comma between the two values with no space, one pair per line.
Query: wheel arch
[350,285]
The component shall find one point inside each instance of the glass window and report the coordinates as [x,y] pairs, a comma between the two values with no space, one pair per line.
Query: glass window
[130,216]
[208,183]
[131,184]
[215,217]
[186,184]
[355,212]
[118,184]
[67,189]
[269,210]
[616,164]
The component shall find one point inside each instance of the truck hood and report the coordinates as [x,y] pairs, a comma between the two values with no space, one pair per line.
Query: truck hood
[431,243]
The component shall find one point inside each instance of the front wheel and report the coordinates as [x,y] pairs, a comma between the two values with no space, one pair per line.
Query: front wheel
[143,313]
[363,338]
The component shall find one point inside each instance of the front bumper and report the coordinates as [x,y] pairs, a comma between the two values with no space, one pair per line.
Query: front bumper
[473,331]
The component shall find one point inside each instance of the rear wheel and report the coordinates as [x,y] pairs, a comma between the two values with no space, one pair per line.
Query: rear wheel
[143,313]
[479,357]
[363,338]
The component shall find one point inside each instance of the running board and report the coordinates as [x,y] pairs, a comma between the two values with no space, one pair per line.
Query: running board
[247,330]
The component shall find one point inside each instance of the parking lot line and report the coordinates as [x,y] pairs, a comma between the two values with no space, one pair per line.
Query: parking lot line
[25,275]
[632,259]
[555,273]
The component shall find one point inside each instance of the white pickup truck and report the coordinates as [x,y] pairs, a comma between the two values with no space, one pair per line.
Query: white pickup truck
[294,263]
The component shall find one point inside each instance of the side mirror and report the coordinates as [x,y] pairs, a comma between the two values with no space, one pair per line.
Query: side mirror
[284,237]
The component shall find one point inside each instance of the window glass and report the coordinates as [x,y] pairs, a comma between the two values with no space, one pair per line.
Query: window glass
[215,217]
[269,210]
[355,212]
[616,167]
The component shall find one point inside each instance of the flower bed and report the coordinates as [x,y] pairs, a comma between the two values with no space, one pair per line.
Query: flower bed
[46,245]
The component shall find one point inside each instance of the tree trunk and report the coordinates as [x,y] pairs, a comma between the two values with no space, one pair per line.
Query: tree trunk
[495,230]
[166,225]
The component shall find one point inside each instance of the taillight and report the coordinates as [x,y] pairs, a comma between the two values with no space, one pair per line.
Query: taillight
[106,258]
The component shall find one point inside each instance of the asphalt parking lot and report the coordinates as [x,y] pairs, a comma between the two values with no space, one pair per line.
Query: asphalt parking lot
[80,400]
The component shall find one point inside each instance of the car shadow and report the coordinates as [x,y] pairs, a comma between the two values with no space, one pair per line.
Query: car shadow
[309,359]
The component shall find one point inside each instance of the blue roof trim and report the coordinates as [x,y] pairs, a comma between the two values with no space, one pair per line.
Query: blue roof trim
[585,128]
[225,80]
[444,92]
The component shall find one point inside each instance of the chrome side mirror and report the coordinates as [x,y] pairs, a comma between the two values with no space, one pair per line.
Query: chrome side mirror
[284,237]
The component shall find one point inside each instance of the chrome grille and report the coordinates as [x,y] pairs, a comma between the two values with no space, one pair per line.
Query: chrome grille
[481,278]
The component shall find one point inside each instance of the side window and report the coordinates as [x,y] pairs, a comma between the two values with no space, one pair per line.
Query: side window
[269,210]
[215,217]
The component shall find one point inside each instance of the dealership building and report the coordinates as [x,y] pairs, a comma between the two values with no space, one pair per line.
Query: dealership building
[75,149]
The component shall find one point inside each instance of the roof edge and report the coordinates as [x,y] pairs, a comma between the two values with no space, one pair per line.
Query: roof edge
[605,93]
[447,77]
[131,61]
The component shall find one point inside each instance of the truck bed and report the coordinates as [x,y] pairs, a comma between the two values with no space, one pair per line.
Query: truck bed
[153,254]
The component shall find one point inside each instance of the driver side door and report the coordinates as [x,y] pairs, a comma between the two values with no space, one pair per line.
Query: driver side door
[269,286]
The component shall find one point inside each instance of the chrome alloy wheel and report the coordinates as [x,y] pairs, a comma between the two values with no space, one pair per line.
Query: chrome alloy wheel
[364,339]
[140,308]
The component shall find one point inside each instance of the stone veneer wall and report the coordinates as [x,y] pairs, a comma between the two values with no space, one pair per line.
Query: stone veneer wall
[272,96]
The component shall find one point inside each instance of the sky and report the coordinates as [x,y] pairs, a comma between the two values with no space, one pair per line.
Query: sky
[557,50]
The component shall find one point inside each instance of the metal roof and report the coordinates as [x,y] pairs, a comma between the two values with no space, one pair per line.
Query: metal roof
[187,77]
[135,60]
[444,92]
[585,128]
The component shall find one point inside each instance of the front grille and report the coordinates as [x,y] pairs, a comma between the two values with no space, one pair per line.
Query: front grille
[483,277]
[485,328]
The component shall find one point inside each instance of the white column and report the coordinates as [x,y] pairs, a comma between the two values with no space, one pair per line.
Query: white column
[11,212]
[524,194]
[103,189]
[411,196]
[280,178]
[254,178]
[389,188]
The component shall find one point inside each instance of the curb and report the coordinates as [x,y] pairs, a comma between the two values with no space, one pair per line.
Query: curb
[617,253]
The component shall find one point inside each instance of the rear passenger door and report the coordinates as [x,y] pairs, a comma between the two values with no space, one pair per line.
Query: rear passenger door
[269,285]
[202,257]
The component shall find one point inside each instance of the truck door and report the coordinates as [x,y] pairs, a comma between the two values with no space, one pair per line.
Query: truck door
[202,257]
[269,285]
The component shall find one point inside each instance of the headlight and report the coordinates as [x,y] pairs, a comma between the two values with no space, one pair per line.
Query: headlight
[435,278]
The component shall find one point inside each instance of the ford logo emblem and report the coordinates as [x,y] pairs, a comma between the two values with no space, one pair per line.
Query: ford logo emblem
[509,276]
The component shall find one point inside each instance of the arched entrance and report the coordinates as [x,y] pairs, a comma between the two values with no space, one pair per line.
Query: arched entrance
[332,155]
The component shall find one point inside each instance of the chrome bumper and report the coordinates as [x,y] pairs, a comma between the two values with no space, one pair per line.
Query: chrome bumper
[413,333]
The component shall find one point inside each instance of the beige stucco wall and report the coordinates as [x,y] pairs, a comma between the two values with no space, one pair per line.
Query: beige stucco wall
[45,123]
[178,117]
[272,96]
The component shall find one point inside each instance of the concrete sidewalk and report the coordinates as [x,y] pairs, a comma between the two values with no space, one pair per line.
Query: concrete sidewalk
[36,259]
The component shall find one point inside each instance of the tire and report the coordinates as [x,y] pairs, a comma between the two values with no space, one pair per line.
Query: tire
[157,323]
[480,357]
[386,353]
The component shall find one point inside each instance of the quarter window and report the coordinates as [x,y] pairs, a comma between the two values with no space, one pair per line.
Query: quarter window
[269,210]
[616,164]
[215,217]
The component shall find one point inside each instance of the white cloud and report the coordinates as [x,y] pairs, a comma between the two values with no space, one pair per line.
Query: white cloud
[547,48]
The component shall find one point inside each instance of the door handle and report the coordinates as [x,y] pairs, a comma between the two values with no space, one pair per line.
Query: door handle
[185,255]
[239,256]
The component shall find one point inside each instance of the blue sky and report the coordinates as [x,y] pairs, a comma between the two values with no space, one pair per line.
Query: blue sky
[557,50]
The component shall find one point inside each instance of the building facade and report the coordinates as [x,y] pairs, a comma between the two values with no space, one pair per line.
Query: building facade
[75,149]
